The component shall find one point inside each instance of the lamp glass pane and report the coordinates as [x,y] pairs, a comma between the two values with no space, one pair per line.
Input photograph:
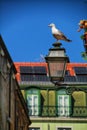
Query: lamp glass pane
[56,69]
[56,53]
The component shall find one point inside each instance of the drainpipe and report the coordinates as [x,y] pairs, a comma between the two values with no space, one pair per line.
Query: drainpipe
[15,117]
[48,126]
[9,118]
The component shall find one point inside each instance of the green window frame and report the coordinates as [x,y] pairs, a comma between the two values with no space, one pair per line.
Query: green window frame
[33,101]
[64,106]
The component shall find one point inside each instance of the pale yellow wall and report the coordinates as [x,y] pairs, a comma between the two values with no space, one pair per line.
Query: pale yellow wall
[54,126]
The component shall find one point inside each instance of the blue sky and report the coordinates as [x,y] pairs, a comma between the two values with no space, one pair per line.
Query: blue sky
[24,27]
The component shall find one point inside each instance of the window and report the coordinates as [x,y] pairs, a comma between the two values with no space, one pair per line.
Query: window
[80,70]
[32,102]
[64,128]
[67,73]
[33,73]
[63,103]
[34,128]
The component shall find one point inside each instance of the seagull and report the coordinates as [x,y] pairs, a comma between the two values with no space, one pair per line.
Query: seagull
[57,34]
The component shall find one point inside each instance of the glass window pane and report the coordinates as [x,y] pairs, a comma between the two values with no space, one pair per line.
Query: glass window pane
[34,128]
[61,128]
[56,68]
[32,101]
[63,105]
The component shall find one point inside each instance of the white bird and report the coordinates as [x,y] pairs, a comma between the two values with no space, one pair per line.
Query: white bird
[57,34]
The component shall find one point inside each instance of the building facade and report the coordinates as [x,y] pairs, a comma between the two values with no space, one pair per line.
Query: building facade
[13,109]
[60,107]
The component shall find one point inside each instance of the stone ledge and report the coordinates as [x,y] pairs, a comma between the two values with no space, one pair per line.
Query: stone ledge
[59,119]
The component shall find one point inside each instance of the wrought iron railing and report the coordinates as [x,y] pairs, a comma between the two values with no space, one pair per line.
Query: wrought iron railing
[58,111]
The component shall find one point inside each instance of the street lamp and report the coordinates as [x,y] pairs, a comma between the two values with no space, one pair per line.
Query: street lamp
[56,61]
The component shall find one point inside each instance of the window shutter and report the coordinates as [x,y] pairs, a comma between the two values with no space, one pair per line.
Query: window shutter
[44,103]
[23,93]
[80,103]
[52,103]
[48,103]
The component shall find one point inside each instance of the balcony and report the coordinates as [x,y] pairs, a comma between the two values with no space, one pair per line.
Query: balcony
[56,111]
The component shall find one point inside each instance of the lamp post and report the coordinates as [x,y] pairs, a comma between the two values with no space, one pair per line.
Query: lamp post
[56,61]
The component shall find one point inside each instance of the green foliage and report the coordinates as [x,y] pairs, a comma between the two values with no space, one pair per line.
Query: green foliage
[82,37]
[84,55]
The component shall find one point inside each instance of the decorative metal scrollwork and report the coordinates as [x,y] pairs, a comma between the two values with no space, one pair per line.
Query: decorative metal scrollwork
[70,90]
